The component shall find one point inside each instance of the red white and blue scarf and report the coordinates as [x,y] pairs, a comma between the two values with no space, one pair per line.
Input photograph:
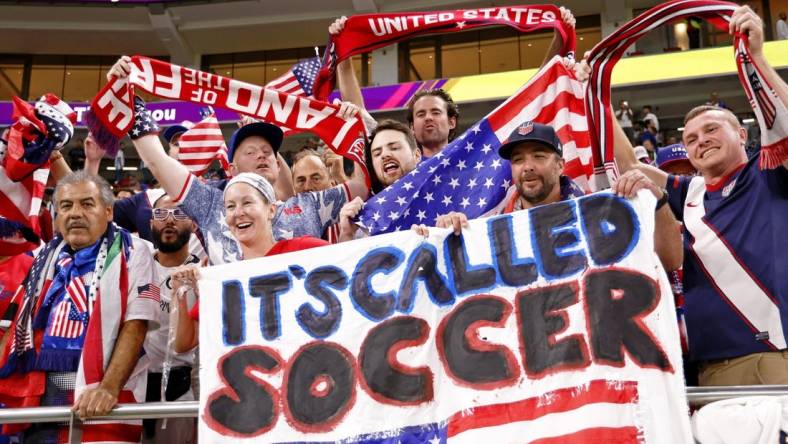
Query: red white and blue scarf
[769,110]
[64,313]
[21,383]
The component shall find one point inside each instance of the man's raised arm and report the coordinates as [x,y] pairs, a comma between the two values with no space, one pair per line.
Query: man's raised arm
[746,21]
[557,44]
[168,171]
[347,82]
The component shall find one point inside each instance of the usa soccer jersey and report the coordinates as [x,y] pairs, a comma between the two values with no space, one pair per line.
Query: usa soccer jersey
[735,261]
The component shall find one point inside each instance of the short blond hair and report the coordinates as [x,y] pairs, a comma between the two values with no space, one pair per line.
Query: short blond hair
[698,110]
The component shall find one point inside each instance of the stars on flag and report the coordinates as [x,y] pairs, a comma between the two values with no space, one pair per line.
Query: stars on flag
[463,177]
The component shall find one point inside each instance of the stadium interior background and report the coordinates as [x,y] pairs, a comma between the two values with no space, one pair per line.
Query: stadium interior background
[65,47]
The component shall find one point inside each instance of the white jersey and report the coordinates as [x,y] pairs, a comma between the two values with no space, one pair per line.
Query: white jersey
[156,340]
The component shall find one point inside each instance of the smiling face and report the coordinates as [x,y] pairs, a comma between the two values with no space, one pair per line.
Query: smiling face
[431,122]
[536,171]
[247,213]
[82,216]
[392,156]
[255,155]
[715,143]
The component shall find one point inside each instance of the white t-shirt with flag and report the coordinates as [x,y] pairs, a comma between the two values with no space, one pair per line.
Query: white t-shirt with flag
[156,340]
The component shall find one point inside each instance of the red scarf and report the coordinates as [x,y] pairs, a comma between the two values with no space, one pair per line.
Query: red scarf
[364,33]
[769,110]
[112,110]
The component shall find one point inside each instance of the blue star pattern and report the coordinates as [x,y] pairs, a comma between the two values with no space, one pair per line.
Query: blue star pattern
[306,72]
[59,131]
[144,123]
[431,433]
[467,176]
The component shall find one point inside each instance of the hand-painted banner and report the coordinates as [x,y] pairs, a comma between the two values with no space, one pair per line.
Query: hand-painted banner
[554,323]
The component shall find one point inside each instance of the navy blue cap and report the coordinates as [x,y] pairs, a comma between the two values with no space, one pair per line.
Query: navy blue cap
[272,133]
[173,131]
[671,153]
[531,132]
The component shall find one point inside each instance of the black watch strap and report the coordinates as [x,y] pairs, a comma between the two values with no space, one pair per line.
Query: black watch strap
[662,200]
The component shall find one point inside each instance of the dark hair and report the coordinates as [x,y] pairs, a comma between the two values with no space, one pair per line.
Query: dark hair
[383,125]
[451,108]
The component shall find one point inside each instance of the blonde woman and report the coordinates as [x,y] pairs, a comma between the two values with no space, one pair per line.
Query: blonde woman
[250,205]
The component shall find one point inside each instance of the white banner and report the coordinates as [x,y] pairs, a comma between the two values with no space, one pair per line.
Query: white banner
[555,323]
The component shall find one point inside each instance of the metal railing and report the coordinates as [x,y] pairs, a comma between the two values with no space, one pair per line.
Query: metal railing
[697,396]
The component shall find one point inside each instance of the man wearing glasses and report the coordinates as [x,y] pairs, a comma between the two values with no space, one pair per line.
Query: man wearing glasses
[171,230]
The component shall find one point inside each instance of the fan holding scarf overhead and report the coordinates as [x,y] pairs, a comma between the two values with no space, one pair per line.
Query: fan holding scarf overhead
[735,286]
[84,309]
[367,32]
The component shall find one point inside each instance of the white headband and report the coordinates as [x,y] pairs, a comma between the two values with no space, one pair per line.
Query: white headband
[257,181]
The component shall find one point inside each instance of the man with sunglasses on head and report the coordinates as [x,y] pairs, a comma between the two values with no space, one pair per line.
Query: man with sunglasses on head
[171,229]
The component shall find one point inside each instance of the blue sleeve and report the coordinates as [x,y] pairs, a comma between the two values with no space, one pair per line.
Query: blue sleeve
[124,212]
[329,203]
[677,188]
[202,203]
[777,180]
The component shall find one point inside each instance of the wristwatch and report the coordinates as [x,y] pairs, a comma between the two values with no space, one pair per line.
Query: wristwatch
[662,200]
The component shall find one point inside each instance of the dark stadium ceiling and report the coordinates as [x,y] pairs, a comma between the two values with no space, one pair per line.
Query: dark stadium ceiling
[113,3]
[186,29]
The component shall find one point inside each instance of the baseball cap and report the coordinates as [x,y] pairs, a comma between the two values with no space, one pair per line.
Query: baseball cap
[671,153]
[174,130]
[267,131]
[641,153]
[530,132]
[257,181]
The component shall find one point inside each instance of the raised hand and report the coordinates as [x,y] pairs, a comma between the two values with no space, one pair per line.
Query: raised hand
[121,69]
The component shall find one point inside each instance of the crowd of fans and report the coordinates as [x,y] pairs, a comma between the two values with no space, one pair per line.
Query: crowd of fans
[267,206]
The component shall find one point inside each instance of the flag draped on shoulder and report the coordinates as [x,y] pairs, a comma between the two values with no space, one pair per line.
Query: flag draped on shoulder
[37,131]
[366,32]
[468,175]
[120,261]
[769,109]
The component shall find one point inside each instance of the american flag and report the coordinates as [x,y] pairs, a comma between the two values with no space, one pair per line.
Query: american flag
[24,169]
[600,411]
[203,143]
[26,297]
[67,322]
[763,99]
[149,291]
[299,79]
[468,175]
[76,291]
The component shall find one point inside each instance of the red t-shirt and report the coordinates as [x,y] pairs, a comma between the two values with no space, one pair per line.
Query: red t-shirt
[12,272]
[283,246]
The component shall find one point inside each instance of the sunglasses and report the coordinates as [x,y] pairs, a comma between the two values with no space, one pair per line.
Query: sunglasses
[163,213]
